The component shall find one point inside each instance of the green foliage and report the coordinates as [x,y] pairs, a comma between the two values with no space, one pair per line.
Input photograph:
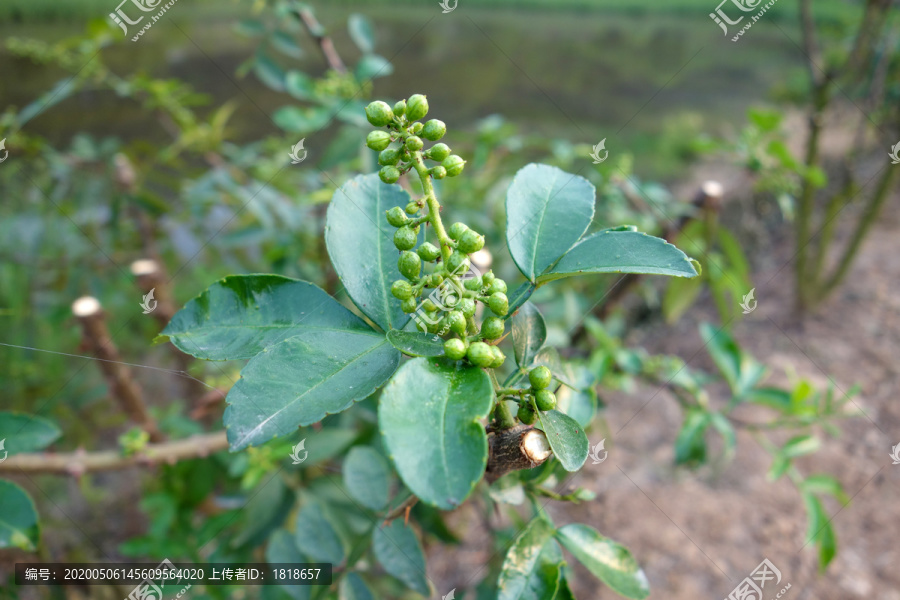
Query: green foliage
[19,522]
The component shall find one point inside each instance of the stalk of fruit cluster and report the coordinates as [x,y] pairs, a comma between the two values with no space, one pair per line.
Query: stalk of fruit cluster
[434,207]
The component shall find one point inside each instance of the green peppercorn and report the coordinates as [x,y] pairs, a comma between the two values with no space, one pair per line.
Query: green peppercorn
[414,143]
[499,357]
[434,130]
[470,241]
[488,279]
[404,154]
[540,378]
[473,284]
[388,157]
[492,328]
[428,252]
[438,172]
[438,152]
[456,230]
[389,174]
[401,290]
[409,264]
[467,307]
[454,165]
[429,306]
[456,261]
[400,108]
[408,305]
[497,286]
[457,322]
[416,107]
[545,399]
[397,217]
[499,303]
[435,279]
[378,140]
[455,349]
[405,238]
[412,208]
[480,354]
[417,128]
[379,113]
[526,414]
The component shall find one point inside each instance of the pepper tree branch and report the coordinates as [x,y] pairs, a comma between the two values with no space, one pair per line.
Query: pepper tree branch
[80,462]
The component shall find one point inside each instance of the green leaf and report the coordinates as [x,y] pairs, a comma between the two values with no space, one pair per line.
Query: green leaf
[547,211]
[616,251]
[523,576]
[282,549]
[18,520]
[518,297]
[372,66]
[299,85]
[724,351]
[367,477]
[429,418]
[580,405]
[300,380]
[285,43]
[302,120]
[25,433]
[416,343]
[609,561]
[352,587]
[825,484]
[801,445]
[779,467]
[250,27]
[819,530]
[529,332]
[241,315]
[269,72]
[361,32]
[63,88]
[356,220]
[397,549]
[316,537]
[690,445]
[567,439]
[721,423]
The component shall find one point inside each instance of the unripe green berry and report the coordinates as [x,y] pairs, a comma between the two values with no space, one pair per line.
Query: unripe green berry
[389,174]
[408,305]
[417,128]
[540,377]
[379,113]
[388,157]
[480,354]
[457,322]
[473,284]
[492,328]
[454,165]
[435,279]
[412,208]
[414,143]
[545,400]
[429,306]
[498,303]
[467,307]
[397,217]
[428,252]
[405,238]
[497,286]
[438,172]
[438,152]
[455,349]
[488,279]
[456,261]
[456,230]
[409,264]
[404,154]
[499,357]
[526,414]
[416,107]
[400,108]
[470,241]
[434,130]
[401,290]
[378,140]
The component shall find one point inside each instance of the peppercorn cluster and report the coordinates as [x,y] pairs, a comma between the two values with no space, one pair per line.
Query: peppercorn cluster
[540,378]
[445,266]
